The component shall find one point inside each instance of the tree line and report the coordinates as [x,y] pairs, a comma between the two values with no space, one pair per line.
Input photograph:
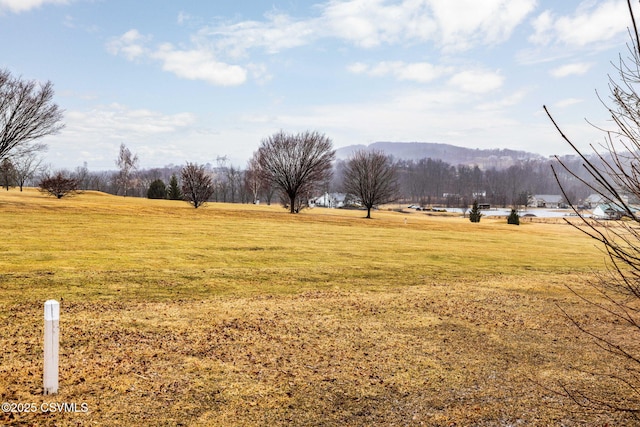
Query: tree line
[424,182]
[429,182]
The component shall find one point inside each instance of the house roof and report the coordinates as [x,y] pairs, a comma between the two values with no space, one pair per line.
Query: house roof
[551,198]
[339,197]
[595,198]
[614,207]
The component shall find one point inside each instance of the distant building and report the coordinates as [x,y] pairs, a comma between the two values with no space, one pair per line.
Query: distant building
[550,201]
[593,201]
[598,199]
[329,200]
[611,211]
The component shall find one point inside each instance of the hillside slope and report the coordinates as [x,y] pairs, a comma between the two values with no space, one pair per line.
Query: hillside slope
[485,158]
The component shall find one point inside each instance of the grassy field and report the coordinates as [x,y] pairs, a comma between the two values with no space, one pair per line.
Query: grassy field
[247,315]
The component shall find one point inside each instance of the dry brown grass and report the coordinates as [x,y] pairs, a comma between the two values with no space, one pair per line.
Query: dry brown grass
[245,315]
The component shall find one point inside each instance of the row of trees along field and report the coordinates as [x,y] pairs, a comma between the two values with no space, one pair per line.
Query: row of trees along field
[425,181]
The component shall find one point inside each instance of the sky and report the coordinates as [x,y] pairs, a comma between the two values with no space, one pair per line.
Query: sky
[197,80]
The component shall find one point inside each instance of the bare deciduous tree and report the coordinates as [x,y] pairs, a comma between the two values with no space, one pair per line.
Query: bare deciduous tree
[614,174]
[252,179]
[234,179]
[128,163]
[82,174]
[25,167]
[295,164]
[371,178]
[27,113]
[197,186]
[59,185]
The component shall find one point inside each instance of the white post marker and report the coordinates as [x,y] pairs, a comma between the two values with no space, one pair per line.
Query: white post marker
[51,344]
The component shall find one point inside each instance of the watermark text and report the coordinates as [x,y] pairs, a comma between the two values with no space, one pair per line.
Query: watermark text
[30,407]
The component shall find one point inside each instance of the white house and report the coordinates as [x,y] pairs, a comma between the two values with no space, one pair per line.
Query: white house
[551,201]
[597,199]
[329,200]
[610,211]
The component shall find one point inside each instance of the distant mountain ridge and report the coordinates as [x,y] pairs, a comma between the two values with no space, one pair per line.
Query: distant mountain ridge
[454,155]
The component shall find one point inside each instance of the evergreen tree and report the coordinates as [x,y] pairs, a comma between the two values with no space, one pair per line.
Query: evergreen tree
[474,215]
[157,190]
[7,173]
[514,218]
[174,192]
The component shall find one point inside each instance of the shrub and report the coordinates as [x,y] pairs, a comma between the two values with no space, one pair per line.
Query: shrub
[59,185]
[513,218]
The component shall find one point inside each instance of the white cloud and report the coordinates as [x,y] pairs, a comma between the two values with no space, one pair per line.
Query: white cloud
[259,73]
[567,102]
[17,6]
[510,100]
[121,122]
[422,72]
[70,22]
[575,69]
[463,23]
[453,25]
[183,17]
[543,28]
[105,127]
[358,68]
[131,45]
[369,23]
[477,81]
[276,33]
[199,64]
[191,64]
[592,22]
[364,23]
